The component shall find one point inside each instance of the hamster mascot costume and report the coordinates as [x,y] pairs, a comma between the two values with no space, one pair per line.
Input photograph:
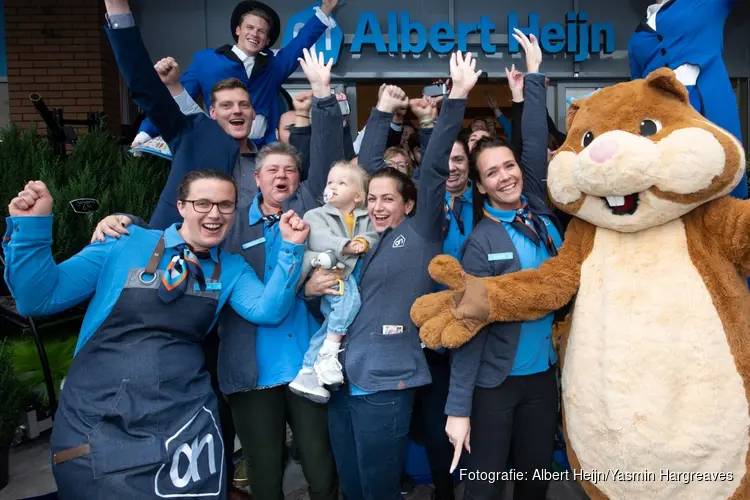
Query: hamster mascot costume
[656,363]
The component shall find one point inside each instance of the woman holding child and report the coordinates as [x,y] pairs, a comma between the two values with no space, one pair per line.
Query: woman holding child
[383,359]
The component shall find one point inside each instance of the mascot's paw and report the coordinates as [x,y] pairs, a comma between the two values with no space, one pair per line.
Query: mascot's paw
[446,270]
[431,331]
[457,332]
[429,306]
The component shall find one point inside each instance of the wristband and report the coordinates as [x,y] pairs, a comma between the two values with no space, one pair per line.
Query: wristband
[426,123]
[303,116]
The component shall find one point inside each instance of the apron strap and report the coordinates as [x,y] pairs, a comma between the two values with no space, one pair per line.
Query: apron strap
[153,263]
[217,268]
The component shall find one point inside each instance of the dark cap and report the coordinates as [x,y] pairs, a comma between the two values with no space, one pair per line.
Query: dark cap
[250,5]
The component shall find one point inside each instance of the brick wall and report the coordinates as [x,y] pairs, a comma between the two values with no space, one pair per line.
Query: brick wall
[57,48]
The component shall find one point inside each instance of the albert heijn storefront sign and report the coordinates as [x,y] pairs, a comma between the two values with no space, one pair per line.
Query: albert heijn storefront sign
[576,36]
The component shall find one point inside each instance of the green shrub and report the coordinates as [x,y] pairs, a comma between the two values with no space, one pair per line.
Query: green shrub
[11,396]
[97,168]
[28,367]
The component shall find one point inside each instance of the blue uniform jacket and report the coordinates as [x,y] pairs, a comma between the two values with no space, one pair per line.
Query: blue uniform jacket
[488,358]
[692,32]
[383,350]
[196,141]
[269,72]
[100,271]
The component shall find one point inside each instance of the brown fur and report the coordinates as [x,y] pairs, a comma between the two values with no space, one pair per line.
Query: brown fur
[718,236]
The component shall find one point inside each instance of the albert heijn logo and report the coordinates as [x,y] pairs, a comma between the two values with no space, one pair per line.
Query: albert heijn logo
[399,242]
[329,42]
[195,466]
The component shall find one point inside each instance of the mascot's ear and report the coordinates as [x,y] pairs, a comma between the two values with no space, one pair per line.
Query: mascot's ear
[572,111]
[665,79]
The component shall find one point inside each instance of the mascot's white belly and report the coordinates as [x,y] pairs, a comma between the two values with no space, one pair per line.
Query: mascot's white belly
[649,382]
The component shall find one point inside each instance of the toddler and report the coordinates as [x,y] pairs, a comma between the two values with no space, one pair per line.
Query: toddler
[340,231]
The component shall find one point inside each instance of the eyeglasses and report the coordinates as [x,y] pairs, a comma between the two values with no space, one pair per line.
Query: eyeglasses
[404,167]
[205,206]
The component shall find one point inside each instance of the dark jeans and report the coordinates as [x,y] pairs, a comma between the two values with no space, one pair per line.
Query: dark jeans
[428,423]
[517,419]
[210,346]
[260,418]
[370,435]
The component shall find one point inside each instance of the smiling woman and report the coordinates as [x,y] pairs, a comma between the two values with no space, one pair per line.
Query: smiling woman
[213,196]
[139,374]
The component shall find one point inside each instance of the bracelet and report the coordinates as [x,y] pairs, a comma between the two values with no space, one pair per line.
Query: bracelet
[426,123]
[303,116]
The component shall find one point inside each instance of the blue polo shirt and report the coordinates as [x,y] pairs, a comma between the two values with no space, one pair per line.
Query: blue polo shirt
[100,271]
[454,240]
[535,351]
[280,348]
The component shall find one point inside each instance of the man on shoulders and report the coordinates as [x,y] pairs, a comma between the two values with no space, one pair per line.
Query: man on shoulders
[255,28]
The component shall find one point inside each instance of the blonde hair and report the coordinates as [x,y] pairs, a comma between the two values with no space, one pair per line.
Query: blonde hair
[395,151]
[360,176]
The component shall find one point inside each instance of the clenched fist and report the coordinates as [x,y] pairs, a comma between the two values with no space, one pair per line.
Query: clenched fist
[34,200]
[293,229]
[168,71]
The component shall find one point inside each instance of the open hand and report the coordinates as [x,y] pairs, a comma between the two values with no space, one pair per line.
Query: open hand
[464,74]
[317,72]
[531,48]
[293,229]
[515,82]
[34,200]
[112,225]
[492,103]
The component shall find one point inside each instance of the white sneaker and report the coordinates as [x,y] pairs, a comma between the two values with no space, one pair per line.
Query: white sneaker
[306,384]
[328,369]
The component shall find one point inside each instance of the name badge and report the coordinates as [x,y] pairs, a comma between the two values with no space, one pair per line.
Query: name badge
[392,329]
[493,257]
[253,243]
[210,287]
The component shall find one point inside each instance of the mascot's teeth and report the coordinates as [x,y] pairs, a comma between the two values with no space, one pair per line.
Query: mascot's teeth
[616,201]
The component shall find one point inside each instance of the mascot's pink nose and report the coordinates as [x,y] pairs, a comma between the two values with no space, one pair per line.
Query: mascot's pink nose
[604,150]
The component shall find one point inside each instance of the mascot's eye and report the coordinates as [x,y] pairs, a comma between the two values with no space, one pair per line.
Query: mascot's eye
[588,138]
[650,127]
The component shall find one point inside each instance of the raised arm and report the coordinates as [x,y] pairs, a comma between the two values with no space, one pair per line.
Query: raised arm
[300,134]
[189,85]
[288,57]
[435,169]
[534,120]
[39,286]
[327,132]
[146,88]
[270,303]
[378,127]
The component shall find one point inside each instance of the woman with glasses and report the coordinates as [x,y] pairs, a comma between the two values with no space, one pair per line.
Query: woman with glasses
[137,415]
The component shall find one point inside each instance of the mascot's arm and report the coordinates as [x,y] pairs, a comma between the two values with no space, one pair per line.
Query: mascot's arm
[453,317]
[533,293]
[728,220]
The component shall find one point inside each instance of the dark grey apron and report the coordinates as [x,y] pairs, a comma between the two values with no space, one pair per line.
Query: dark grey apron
[138,417]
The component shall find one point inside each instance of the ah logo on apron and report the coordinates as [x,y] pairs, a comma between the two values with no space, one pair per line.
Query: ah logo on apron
[197,463]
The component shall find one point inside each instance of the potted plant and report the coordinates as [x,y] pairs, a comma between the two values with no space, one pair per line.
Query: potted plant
[11,408]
